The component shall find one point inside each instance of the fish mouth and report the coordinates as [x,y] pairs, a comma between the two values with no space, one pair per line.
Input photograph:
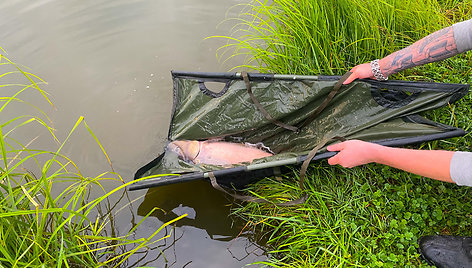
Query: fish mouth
[172,147]
[186,150]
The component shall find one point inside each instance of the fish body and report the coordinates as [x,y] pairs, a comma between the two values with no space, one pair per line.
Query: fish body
[216,152]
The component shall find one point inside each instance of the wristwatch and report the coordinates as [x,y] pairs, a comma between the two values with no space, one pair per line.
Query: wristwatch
[376,71]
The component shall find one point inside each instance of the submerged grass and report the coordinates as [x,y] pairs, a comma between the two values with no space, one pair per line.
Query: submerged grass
[369,216]
[47,218]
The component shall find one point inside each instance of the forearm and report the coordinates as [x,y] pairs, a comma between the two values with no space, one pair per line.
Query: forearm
[431,164]
[440,165]
[434,47]
[437,46]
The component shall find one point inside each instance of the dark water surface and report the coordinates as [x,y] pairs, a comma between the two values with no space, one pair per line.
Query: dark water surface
[110,61]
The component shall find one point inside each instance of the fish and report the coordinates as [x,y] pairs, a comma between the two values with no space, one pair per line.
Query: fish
[219,153]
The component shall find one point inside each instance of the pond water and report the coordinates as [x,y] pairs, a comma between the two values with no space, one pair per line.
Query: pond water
[110,61]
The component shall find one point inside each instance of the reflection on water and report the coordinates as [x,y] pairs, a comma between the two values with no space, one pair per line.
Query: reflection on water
[207,208]
[208,220]
[110,61]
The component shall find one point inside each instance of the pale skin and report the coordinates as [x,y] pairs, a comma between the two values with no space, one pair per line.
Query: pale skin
[433,164]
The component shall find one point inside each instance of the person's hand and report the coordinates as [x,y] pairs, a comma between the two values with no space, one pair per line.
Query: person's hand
[359,72]
[353,153]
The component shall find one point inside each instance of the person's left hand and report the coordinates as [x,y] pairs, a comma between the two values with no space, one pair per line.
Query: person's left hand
[353,153]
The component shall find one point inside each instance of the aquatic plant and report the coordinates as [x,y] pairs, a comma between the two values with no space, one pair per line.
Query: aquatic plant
[47,217]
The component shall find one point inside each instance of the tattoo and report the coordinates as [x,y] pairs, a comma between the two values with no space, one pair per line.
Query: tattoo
[434,47]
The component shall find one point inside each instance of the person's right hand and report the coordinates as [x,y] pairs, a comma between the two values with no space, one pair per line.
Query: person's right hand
[359,72]
[353,153]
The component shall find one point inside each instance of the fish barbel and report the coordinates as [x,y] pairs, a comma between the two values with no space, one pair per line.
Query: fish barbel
[215,152]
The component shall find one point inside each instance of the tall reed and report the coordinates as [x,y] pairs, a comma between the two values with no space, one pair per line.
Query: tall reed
[328,37]
[47,218]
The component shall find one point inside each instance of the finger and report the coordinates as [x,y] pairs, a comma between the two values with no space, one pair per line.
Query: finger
[335,147]
[351,78]
[333,160]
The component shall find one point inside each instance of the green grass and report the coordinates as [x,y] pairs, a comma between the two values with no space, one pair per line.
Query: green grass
[369,216]
[47,217]
[329,37]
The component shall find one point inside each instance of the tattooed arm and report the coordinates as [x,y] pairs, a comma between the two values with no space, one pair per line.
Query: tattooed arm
[437,46]
[434,47]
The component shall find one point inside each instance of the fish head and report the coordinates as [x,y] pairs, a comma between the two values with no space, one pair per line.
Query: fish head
[186,150]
